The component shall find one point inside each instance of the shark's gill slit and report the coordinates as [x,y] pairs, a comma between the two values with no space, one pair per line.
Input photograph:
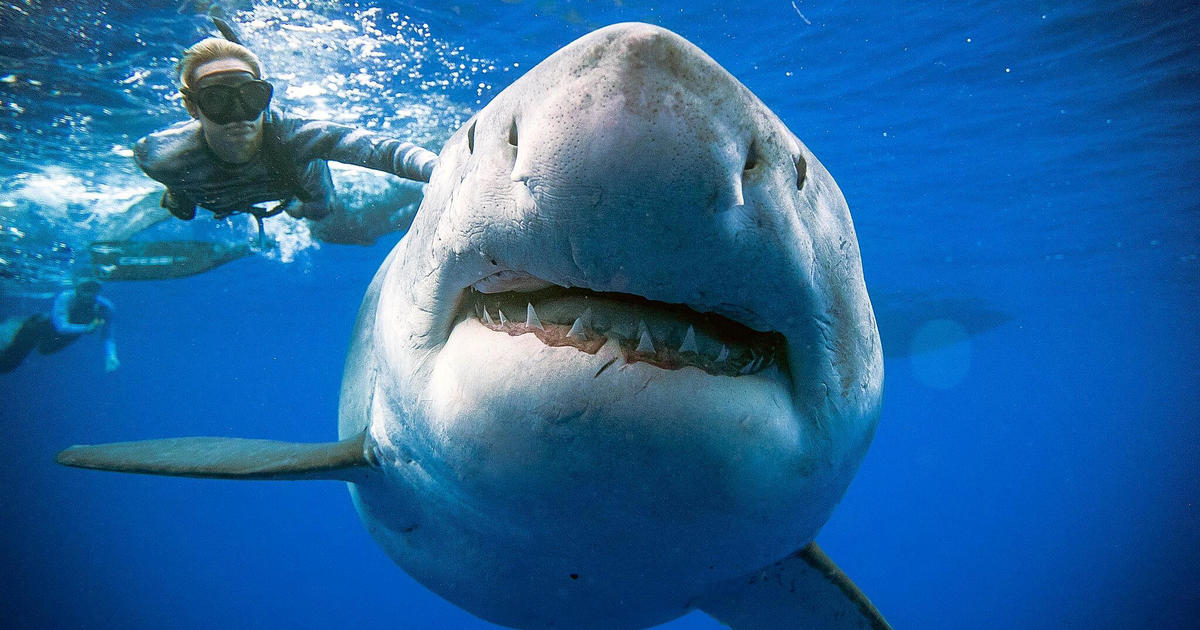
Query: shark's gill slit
[512,133]
[801,172]
[471,138]
[668,336]
[751,156]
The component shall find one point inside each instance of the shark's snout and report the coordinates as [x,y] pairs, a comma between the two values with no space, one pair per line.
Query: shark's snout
[643,172]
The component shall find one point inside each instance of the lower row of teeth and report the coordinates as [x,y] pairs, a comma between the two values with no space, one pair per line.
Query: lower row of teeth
[643,348]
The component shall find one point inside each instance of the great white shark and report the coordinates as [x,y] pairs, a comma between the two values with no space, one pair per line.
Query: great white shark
[623,365]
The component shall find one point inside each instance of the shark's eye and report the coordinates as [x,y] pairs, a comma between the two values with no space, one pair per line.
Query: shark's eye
[471,138]
[512,134]
[751,156]
[801,172]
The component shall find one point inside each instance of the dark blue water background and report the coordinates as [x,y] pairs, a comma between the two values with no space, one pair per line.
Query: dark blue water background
[1024,170]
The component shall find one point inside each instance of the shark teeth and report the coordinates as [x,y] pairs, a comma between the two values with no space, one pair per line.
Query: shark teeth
[645,343]
[579,328]
[689,341]
[752,366]
[531,318]
[641,331]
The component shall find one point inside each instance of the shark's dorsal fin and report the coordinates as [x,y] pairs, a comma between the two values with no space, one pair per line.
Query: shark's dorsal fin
[804,590]
[228,458]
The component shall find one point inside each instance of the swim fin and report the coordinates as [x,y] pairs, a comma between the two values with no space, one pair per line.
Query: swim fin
[226,29]
[161,260]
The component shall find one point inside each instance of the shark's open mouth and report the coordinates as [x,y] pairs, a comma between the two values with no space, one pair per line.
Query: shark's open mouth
[668,336]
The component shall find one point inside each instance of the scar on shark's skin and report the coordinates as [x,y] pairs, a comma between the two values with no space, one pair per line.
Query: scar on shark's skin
[605,366]
[731,294]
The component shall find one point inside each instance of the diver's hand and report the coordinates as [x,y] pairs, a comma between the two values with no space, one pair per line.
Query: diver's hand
[427,169]
[111,363]
[295,209]
[313,210]
[96,323]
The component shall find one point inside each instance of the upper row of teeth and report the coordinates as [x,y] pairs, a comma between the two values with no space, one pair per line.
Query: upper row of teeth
[645,341]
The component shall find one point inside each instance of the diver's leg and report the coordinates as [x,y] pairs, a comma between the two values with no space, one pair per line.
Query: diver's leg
[20,336]
[50,341]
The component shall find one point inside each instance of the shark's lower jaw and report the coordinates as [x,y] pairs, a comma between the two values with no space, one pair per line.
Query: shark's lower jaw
[667,336]
[621,468]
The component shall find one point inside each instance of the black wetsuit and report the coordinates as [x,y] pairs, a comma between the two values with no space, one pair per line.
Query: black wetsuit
[291,166]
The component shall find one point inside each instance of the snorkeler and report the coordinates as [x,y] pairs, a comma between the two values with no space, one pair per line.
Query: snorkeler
[238,151]
[75,313]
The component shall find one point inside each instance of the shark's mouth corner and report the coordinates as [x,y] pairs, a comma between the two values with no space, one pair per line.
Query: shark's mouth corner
[667,336]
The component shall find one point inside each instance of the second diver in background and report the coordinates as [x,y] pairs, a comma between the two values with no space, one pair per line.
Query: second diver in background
[76,312]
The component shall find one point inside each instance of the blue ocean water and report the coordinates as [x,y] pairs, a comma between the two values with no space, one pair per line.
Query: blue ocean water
[1023,179]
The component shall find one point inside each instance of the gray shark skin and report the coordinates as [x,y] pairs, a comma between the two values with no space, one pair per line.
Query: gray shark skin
[623,365]
[628,163]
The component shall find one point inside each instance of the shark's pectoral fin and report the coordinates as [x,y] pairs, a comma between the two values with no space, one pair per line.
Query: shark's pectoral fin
[228,458]
[805,590]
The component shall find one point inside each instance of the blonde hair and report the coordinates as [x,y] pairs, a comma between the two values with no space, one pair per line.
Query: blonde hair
[211,49]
